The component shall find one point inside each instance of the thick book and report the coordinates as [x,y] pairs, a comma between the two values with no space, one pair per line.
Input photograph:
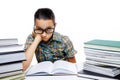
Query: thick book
[102,52]
[8,41]
[95,76]
[112,58]
[59,67]
[103,44]
[101,59]
[10,67]
[20,76]
[12,57]
[101,63]
[11,48]
[10,73]
[102,69]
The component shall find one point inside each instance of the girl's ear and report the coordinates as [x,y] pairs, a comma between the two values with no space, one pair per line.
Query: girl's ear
[55,24]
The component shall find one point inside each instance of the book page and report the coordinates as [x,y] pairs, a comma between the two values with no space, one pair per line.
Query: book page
[43,67]
[64,67]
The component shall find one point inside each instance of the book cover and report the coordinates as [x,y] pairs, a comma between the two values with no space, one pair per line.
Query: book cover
[110,43]
[103,44]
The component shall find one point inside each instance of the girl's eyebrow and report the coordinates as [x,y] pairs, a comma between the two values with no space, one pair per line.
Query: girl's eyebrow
[50,27]
[38,27]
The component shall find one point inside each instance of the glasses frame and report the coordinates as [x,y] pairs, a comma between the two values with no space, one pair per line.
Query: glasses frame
[44,30]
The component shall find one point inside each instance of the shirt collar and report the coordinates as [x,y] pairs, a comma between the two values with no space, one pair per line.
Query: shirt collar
[57,37]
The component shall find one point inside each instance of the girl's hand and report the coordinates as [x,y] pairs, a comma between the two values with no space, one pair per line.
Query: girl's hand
[37,37]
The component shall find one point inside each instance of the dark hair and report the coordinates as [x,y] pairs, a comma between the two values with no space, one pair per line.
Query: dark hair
[44,13]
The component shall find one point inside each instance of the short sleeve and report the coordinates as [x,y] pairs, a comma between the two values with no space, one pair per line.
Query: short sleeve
[69,48]
[28,42]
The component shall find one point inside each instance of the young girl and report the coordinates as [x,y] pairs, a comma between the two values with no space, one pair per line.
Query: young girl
[47,44]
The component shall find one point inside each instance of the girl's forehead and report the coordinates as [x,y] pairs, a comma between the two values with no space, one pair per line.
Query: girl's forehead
[44,23]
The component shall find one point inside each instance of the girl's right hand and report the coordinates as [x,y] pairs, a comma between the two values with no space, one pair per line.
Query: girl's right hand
[37,37]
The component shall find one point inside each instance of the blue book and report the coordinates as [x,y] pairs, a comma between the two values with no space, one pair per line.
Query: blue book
[103,44]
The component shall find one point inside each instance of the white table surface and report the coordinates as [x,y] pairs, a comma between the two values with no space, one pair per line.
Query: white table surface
[55,78]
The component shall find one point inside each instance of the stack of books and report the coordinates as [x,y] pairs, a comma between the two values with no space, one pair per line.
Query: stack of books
[11,57]
[102,57]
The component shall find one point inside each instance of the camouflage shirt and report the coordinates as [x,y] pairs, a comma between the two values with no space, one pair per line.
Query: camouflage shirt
[59,47]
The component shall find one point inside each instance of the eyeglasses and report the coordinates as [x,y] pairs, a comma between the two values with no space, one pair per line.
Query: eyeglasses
[41,31]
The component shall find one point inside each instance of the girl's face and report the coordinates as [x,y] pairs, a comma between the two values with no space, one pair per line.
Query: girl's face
[44,28]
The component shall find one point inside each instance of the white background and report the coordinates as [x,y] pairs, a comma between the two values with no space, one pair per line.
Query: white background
[81,20]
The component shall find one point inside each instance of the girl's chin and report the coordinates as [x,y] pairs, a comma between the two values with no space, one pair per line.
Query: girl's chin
[45,40]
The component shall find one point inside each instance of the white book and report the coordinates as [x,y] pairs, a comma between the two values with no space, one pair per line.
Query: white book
[12,57]
[101,63]
[59,67]
[94,76]
[103,56]
[11,67]
[102,69]
[8,41]
[11,48]
[10,73]
[102,52]
[114,61]
[20,76]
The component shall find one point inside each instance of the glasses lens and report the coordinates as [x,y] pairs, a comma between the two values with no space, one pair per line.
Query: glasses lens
[38,31]
[50,30]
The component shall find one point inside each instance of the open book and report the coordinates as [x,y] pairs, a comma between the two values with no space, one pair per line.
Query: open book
[59,67]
